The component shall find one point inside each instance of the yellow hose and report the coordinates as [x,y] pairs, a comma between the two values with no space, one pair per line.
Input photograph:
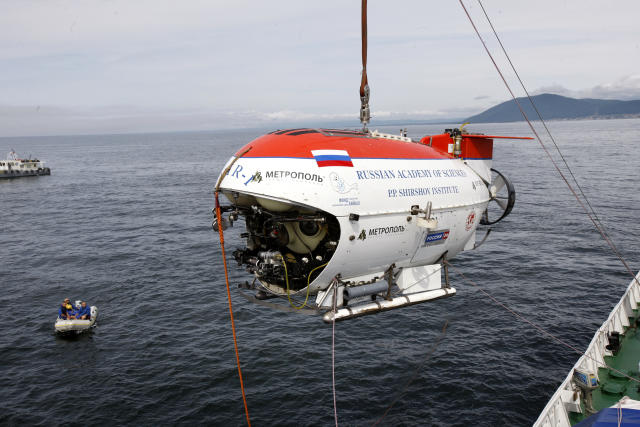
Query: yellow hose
[286,279]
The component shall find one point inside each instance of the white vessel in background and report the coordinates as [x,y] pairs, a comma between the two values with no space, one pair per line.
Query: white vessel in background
[15,167]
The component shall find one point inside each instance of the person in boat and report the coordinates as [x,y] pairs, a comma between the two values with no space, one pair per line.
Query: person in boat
[84,313]
[62,311]
[66,310]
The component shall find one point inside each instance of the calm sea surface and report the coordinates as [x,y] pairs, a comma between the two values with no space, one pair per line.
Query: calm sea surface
[124,222]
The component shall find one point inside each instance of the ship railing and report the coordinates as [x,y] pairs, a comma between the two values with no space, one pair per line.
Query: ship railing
[567,397]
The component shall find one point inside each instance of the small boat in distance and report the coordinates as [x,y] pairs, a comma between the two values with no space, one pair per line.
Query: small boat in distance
[76,326]
[15,167]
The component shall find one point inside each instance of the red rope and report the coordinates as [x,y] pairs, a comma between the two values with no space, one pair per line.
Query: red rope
[364,81]
[233,326]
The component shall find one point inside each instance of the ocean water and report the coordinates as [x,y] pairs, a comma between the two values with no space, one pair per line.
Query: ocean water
[124,222]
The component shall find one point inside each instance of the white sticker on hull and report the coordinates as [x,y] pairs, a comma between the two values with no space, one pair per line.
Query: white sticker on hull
[381,231]
[436,237]
[347,201]
[339,185]
[370,186]
[241,174]
[292,176]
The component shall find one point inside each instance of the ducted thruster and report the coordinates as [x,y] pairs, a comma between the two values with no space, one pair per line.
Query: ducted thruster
[503,197]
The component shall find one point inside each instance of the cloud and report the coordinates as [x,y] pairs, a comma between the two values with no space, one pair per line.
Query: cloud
[55,120]
[206,64]
[32,120]
[290,115]
[555,89]
[625,88]
[38,120]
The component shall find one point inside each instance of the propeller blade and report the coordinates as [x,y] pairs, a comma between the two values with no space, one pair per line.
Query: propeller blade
[502,203]
[498,183]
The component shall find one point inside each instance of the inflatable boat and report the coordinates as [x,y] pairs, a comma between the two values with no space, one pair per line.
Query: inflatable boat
[77,325]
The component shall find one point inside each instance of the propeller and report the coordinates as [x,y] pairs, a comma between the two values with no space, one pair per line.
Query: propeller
[503,197]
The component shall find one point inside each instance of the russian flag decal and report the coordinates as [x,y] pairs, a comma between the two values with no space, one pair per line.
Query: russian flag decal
[332,158]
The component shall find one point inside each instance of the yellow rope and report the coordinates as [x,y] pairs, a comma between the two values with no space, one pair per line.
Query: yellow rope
[286,279]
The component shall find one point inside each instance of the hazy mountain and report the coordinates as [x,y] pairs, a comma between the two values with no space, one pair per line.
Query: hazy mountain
[557,107]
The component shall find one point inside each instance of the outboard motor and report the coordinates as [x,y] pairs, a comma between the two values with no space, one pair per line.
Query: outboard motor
[587,382]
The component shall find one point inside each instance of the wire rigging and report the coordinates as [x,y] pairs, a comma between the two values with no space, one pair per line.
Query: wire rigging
[333,349]
[536,326]
[590,212]
[544,123]
[562,175]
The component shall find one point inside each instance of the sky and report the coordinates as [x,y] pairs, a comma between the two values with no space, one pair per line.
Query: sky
[119,66]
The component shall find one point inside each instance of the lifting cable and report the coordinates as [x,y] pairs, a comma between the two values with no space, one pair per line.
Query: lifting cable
[596,221]
[226,277]
[333,348]
[365,116]
[562,175]
[538,327]
[544,124]
[365,113]
[416,373]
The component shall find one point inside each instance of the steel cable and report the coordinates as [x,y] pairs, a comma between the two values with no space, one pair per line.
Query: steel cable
[544,124]
[584,208]
[538,327]
[333,351]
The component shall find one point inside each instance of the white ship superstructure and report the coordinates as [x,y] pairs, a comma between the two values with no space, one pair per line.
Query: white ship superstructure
[14,167]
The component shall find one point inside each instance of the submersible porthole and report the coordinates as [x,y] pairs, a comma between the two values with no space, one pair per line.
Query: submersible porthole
[309,228]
